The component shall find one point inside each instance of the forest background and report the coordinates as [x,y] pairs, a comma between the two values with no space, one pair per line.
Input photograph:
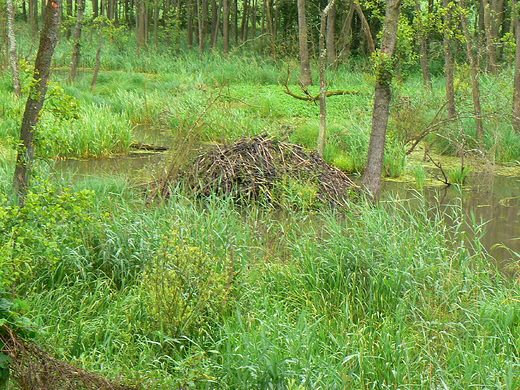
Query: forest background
[192,293]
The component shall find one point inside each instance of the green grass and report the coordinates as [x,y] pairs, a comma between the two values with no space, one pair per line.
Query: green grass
[374,297]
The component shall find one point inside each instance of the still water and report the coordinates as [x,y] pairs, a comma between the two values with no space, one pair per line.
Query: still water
[491,201]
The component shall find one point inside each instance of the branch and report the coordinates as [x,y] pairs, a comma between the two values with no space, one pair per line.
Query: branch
[311,98]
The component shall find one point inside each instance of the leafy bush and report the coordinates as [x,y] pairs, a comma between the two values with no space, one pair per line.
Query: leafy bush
[187,287]
[35,238]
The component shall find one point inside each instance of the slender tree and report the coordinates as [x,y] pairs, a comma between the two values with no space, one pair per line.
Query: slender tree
[322,135]
[225,26]
[475,85]
[76,51]
[305,77]
[42,67]
[422,36]
[33,17]
[449,63]
[384,66]
[331,35]
[13,58]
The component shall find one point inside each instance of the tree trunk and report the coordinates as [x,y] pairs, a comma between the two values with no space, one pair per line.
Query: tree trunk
[366,27]
[245,21]
[76,51]
[141,24]
[33,17]
[305,78]
[95,8]
[493,15]
[346,34]
[34,104]
[449,66]
[215,23]
[156,10]
[331,35]
[202,12]
[383,93]
[189,24]
[516,93]
[322,135]
[13,57]
[98,58]
[225,27]
[475,87]
[422,36]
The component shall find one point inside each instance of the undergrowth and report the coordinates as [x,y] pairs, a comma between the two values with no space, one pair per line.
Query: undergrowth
[205,294]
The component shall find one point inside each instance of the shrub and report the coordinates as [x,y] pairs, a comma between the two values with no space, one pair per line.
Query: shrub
[187,287]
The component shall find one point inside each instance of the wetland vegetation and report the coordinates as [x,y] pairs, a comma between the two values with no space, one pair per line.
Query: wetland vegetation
[203,292]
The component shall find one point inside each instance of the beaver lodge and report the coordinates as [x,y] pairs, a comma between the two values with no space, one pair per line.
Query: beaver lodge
[252,168]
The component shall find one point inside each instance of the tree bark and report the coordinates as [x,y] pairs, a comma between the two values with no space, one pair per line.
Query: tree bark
[331,35]
[95,8]
[215,22]
[475,86]
[98,57]
[76,51]
[449,66]
[13,57]
[225,27]
[382,96]
[322,134]
[33,17]
[366,27]
[346,34]
[42,67]
[422,36]
[305,77]
[141,24]
[493,15]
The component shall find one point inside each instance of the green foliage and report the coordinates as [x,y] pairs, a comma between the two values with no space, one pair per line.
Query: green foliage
[187,287]
[35,238]
[300,194]
[419,174]
[394,159]
[458,175]
[384,67]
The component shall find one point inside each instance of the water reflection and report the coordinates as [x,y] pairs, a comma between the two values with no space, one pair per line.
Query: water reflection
[490,199]
[129,166]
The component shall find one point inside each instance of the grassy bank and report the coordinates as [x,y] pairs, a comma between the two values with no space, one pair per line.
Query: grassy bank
[192,294]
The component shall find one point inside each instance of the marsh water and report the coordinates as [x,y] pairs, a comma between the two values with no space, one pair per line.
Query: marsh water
[490,203]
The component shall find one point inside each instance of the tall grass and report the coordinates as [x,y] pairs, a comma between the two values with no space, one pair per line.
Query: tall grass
[375,297]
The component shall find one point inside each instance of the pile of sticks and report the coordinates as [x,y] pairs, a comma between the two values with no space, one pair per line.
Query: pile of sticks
[251,167]
[32,368]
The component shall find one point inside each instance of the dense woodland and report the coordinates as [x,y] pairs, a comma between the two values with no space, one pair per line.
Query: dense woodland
[140,279]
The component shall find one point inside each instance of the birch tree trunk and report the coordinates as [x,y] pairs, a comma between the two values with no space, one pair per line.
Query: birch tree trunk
[13,57]
[42,67]
[384,72]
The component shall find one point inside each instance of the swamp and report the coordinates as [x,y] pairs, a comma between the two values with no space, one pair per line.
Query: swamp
[198,215]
